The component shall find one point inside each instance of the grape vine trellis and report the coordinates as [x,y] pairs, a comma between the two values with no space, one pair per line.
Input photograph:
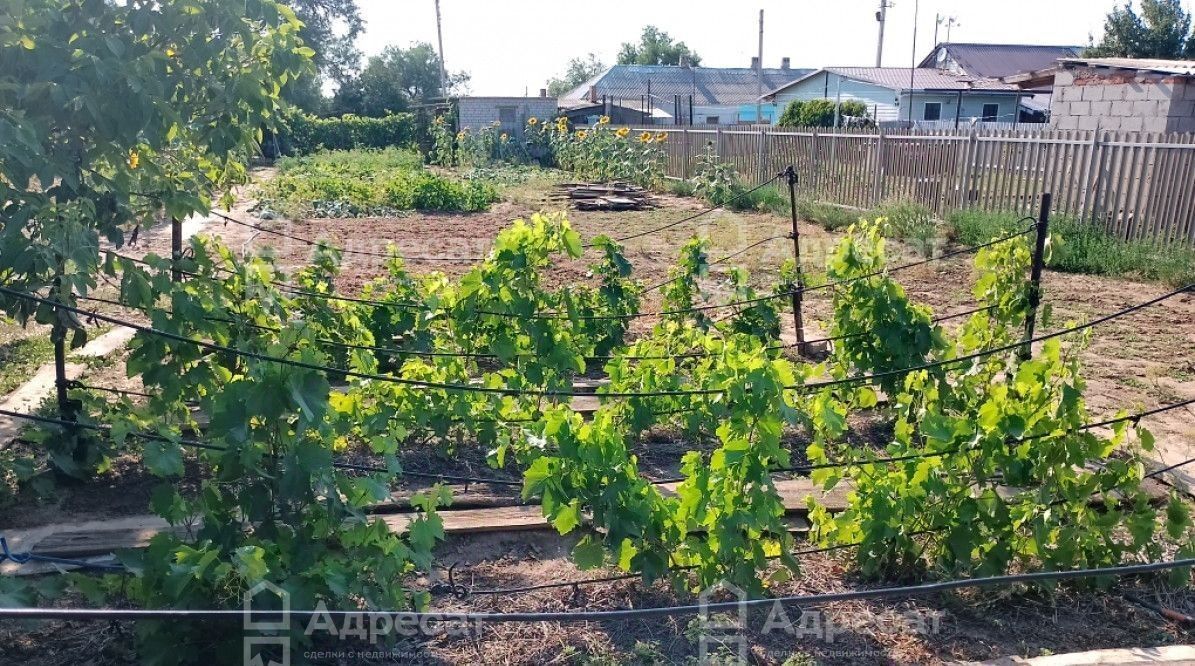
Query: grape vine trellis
[990,465]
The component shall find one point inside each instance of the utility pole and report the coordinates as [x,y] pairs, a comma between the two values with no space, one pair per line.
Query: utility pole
[913,64]
[440,39]
[759,75]
[881,18]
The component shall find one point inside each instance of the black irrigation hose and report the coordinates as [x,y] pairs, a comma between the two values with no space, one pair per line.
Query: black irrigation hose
[895,269]
[570,394]
[238,615]
[995,350]
[1008,441]
[196,444]
[342,250]
[721,260]
[690,218]
[292,289]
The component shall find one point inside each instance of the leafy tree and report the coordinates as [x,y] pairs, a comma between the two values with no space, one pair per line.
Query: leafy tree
[656,47]
[330,28]
[393,80]
[1161,30]
[578,71]
[115,112]
[819,113]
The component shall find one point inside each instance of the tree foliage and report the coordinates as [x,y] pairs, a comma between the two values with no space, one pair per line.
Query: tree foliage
[578,71]
[656,47]
[330,28]
[114,113]
[820,113]
[394,80]
[1161,30]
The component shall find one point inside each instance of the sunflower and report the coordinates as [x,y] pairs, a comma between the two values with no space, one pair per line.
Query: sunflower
[661,137]
[581,134]
[504,137]
[438,121]
[533,120]
[645,137]
[134,159]
[604,120]
[460,136]
[622,132]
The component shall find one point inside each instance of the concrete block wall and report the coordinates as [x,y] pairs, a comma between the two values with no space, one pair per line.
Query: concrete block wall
[478,112]
[1089,98]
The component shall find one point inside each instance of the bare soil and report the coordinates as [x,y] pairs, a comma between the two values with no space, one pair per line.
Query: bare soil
[1138,362]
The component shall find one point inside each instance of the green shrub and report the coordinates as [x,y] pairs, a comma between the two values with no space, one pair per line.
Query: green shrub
[912,222]
[361,183]
[1080,247]
[828,216]
[820,113]
[303,134]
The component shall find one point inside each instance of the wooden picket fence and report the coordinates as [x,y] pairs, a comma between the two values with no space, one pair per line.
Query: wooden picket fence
[1136,185]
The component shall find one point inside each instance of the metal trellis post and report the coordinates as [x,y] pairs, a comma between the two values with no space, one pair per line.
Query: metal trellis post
[1039,261]
[176,248]
[790,175]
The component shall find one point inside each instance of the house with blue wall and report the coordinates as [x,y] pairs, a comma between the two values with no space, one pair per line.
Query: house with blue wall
[898,95]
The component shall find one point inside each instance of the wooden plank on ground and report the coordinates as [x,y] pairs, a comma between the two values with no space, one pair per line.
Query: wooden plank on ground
[103,537]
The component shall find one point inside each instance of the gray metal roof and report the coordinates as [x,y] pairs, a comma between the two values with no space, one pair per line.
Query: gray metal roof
[905,78]
[710,86]
[997,60]
[1177,67]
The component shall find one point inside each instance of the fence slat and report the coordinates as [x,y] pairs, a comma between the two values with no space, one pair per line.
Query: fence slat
[1134,185]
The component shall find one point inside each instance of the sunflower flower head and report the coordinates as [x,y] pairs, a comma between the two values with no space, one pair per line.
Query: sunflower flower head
[533,121]
[661,137]
[622,132]
[646,137]
[604,120]
[581,134]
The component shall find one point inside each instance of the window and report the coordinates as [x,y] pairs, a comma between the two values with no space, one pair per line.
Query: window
[711,120]
[991,113]
[933,111]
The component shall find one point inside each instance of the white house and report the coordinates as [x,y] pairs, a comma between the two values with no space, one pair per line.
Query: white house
[900,95]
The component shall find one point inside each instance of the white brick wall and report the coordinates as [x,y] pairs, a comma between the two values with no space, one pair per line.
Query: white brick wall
[478,112]
[1088,99]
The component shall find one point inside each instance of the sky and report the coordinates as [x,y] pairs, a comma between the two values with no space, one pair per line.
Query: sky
[512,48]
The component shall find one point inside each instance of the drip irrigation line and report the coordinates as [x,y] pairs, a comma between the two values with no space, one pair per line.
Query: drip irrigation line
[896,269]
[197,444]
[898,592]
[149,330]
[690,218]
[1008,441]
[399,351]
[720,261]
[25,558]
[343,250]
[995,350]
[406,305]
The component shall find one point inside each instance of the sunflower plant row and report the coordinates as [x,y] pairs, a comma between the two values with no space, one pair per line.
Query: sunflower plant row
[603,153]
